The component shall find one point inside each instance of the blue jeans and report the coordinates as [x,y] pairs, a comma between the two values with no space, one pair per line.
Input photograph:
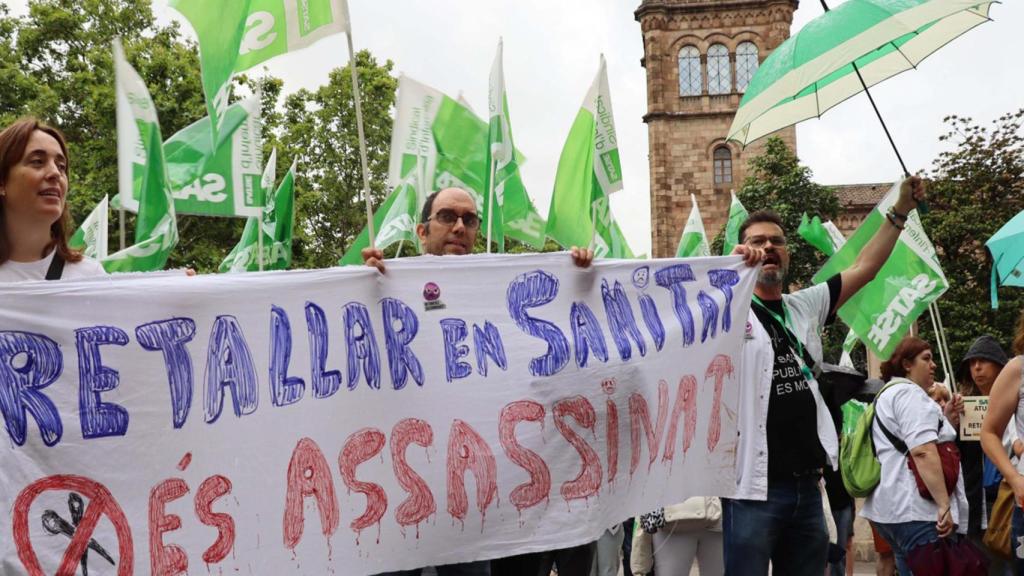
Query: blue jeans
[904,537]
[1017,541]
[788,530]
[482,568]
[844,527]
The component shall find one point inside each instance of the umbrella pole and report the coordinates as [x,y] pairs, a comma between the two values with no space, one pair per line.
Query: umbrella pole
[892,143]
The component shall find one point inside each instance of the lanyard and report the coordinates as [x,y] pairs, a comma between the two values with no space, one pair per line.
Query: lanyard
[788,328]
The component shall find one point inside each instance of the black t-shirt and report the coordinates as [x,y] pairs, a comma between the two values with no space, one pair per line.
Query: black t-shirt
[793,444]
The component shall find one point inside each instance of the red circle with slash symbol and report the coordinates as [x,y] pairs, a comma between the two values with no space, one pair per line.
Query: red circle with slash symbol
[101,503]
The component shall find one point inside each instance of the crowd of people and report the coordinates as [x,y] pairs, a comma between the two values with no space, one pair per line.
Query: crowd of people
[789,510]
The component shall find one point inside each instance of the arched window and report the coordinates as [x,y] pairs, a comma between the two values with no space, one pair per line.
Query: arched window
[690,81]
[719,77]
[746,64]
[723,165]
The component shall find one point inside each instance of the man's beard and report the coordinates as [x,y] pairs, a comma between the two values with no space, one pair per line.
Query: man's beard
[771,277]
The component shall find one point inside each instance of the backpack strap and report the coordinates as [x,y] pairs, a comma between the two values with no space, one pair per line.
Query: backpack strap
[898,444]
[56,269]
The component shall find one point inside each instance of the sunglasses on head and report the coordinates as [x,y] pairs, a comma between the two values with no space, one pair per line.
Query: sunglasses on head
[449,217]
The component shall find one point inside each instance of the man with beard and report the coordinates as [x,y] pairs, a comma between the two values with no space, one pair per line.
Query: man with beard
[786,434]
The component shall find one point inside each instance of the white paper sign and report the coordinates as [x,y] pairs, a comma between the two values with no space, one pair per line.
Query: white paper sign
[346,422]
[975,408]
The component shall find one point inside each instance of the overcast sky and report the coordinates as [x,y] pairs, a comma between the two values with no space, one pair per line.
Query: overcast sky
[551,56]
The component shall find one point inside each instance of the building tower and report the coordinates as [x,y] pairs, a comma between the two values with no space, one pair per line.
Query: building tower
[700,56]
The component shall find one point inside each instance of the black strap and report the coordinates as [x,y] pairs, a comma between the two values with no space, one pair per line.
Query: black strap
[898,444]
[56,269]
[808,360]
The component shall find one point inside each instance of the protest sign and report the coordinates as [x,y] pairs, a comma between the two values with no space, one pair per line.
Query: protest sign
[975,408]
[343,421]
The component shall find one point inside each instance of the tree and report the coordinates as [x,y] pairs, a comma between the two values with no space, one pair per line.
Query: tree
[778,182]
[975,189]
[320,129]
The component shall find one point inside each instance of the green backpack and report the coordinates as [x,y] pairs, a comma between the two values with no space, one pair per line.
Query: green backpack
[858,461]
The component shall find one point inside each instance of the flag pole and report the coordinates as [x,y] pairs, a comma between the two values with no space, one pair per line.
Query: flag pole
[362,138]
[593,225]
[120,221]
[490,203]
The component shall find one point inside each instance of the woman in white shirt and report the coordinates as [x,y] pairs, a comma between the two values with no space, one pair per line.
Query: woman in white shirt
[896,508]
[34,220]
[1006,400]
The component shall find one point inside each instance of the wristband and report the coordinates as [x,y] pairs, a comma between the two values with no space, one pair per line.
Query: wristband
[898,215]
[892,220]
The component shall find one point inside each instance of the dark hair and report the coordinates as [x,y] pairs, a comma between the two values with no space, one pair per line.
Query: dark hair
[760,216]
[13,141]
[907,349]
[428,207]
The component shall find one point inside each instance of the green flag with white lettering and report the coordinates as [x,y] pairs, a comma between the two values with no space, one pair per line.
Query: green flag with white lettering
[235,35]
[142,175]
[277,224]
[589,171]
[694,241]
[91,236]
[883,310]
[221,180]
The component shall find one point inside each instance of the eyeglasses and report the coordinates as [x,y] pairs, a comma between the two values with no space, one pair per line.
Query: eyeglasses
[760,241]
[449,217]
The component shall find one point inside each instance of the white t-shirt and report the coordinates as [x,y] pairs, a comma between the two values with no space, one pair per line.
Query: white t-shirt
[909,414]
[12,271]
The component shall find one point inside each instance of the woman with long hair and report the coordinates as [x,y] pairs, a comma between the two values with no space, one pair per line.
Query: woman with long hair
[34,221]
[1005,400]
[908,428]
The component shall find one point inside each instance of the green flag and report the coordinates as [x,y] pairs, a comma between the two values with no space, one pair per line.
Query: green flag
[275,27]
[235,35]
[277,224]
[141,175]
[588,173]
[737,215]
[501,156]
[220,27]
[91,236]
[883,310]
[221,180]
[815,233]
[694,241]
[438,142]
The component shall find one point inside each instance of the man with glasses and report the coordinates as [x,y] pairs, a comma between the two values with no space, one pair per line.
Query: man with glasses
[786,433]
[449,225]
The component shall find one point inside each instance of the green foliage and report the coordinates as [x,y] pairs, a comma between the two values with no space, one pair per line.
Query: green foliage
[975,188]
[321,131]
[778,182]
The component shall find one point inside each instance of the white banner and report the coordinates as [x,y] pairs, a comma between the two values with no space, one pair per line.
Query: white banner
[345,422]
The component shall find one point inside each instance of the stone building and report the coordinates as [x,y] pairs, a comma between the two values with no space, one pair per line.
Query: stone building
[699,56]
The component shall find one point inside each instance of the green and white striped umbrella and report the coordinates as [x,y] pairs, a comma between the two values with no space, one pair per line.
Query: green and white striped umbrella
[814,70]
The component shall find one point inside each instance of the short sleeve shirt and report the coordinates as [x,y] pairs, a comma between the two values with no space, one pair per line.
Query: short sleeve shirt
[911,415]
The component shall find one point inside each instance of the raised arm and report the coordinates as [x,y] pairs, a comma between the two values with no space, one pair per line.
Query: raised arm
[877,251]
